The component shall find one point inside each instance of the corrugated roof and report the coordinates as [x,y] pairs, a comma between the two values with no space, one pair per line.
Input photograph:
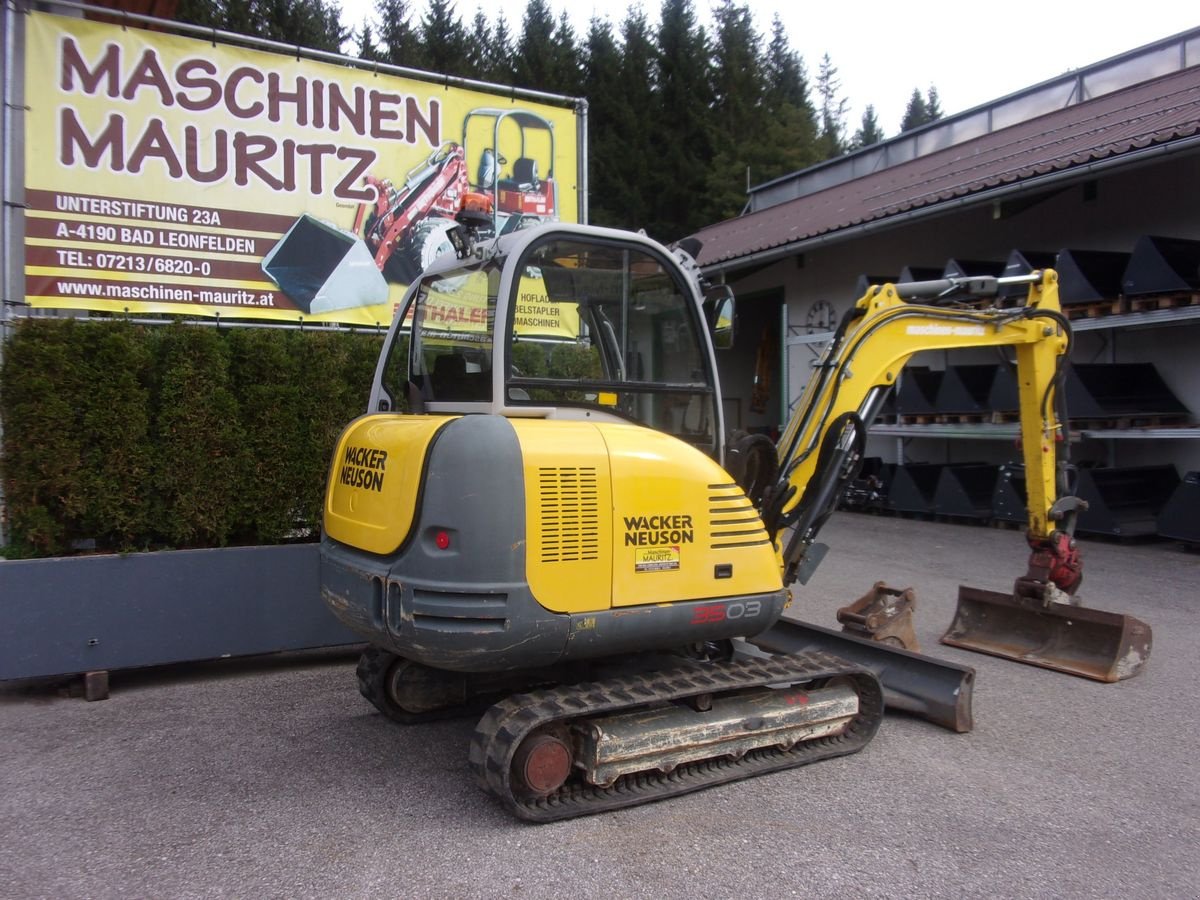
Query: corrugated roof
[1156,112]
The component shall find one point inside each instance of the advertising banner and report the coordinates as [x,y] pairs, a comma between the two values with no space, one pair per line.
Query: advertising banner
[466,306]
[171,175]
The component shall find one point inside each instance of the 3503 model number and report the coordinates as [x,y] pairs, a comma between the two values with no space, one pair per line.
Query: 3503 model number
[708,615]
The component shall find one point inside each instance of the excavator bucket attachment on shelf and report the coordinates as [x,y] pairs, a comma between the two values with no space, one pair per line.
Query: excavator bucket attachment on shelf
[1077,640]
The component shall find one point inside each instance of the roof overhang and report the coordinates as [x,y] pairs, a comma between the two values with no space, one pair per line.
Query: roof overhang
[1033,185]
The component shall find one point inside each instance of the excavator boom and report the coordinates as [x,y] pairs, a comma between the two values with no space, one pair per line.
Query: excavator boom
[819,453]
[865,359]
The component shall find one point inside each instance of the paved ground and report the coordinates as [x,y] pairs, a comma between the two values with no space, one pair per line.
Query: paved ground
[272,778]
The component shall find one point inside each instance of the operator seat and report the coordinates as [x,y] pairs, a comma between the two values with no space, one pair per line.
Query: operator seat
[451,381]
[449,377]
[524,176]
[486,176]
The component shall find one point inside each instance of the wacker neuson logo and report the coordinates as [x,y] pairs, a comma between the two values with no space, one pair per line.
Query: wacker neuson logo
[654,531]
[363,467]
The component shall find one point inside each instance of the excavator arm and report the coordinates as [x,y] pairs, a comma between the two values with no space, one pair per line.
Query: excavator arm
[822,447]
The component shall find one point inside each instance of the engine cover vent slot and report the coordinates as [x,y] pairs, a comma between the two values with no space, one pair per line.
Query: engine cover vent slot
[733,520]
[569,508]
[446,611]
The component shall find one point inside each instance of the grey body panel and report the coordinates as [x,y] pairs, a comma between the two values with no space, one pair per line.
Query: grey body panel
[466,607]
[469,607]
[661,626]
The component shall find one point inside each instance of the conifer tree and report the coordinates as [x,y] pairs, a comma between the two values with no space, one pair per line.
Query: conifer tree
[307,23]
[226,14]
[632,190]
[399,43]
[365,45]
[502,58]
[921,110]
[787,81]
[933,106]
[534,66]
[443,40]
[479,42]
[739,84]
[831,136]
[608,138]
[324,22]
[740,118]
[915,113]
[681,128]
[790,140]
[567,73]
[547,58]
[869,131]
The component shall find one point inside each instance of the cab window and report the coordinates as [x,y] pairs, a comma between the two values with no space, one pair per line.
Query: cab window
[606,325]
[448,357]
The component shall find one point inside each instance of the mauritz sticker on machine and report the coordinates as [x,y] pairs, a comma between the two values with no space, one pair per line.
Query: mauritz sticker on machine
[656,559]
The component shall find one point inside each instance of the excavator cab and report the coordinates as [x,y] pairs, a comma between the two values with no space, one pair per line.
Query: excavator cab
[598,328]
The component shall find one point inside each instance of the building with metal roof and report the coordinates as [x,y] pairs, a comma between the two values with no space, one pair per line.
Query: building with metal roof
[1096,160]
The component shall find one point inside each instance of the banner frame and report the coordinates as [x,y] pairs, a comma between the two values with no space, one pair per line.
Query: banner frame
[16,201]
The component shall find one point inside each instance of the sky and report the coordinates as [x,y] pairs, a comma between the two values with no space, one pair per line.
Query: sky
[971,52]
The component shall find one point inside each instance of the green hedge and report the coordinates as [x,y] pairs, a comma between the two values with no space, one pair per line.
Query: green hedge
[119,437]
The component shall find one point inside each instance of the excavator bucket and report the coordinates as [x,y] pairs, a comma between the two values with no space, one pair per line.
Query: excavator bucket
[1077,640]
[322,268]
[883,614]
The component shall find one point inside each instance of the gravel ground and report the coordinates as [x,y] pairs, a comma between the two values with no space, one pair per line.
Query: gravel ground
[272,778]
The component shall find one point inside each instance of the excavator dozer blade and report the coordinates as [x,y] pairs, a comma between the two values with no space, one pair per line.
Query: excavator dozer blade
[1077,640]
[932,689]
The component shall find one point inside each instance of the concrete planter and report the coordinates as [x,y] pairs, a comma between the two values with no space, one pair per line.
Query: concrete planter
[80,614]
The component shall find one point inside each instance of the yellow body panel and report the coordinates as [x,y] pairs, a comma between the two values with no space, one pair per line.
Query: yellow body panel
[376,476]
[568,514]
[682,529]
[620,515]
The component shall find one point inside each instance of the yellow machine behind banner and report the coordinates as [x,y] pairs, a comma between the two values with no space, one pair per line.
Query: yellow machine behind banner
[170,175]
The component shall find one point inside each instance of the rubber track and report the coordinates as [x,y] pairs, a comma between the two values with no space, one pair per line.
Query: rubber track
[371,672]
[501,730]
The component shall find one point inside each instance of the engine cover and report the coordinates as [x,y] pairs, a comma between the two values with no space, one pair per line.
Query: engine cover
[481,543]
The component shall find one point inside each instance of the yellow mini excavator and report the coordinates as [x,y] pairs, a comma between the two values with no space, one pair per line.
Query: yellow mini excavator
[537,513]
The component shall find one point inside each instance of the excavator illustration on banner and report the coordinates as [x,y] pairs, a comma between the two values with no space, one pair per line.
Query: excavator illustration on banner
[406,228]
[322,267]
